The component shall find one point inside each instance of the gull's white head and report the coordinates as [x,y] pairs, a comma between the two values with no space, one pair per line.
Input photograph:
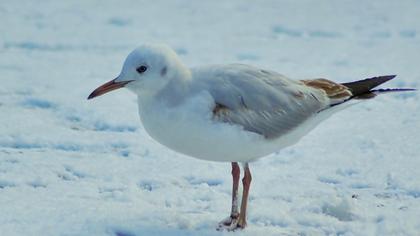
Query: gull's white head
[147,69]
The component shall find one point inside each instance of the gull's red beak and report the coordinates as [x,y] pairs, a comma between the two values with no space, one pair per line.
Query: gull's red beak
[108,87]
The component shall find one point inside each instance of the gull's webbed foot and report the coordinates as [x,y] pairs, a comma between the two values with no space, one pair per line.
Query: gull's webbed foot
[231,223]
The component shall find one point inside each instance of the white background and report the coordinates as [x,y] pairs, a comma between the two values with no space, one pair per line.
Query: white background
[69,166]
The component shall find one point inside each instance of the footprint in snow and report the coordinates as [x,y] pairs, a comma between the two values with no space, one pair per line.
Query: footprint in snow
[38,103]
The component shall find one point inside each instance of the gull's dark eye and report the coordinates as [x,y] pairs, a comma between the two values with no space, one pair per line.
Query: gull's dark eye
[141,69]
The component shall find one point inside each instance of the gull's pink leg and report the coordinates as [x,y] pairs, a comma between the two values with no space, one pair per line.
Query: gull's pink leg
[236,173]
[231,221]
[246,182]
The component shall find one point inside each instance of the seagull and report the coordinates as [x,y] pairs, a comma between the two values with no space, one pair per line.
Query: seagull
[230,113]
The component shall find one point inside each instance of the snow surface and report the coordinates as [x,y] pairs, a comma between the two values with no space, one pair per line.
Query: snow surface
[69,166]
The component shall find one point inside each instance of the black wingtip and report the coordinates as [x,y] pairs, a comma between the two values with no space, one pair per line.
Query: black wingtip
[390,76]
[365,86]
[385,77]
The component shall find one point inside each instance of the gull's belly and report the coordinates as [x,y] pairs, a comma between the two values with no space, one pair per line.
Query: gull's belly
[191,130]
[195,133]
[207,140]
[215,141]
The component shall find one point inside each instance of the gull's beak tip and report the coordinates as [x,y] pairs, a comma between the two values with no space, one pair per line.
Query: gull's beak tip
[107,87]
[92,95]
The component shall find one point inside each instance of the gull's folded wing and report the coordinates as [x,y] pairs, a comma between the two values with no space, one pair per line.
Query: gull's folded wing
[261,101]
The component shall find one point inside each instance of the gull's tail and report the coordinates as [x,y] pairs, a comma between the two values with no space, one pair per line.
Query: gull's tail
[364,89]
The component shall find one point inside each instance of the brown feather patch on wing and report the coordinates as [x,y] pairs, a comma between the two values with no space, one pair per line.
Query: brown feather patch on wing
[332,89]
[220,109]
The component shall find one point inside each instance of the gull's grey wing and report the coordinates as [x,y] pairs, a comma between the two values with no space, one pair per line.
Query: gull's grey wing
[270,124]
[261,101]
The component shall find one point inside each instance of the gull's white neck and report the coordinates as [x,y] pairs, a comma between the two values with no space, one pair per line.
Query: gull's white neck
[172,93]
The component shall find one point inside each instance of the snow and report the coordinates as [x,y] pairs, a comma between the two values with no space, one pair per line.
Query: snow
[69,166]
